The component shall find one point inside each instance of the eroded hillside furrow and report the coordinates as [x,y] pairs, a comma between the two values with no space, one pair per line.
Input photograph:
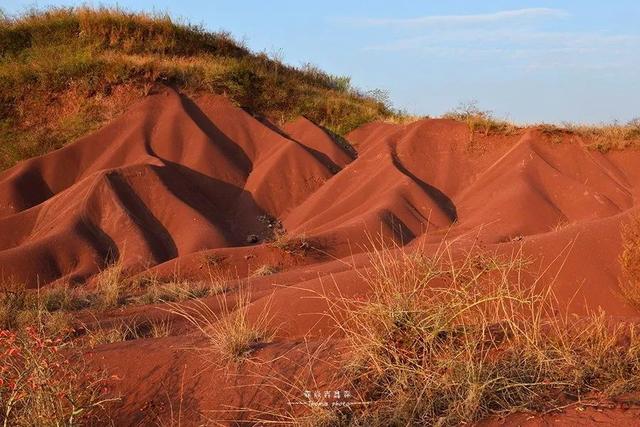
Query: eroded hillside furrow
[176,176]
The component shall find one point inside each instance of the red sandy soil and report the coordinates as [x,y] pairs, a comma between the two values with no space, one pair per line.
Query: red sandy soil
[175,179]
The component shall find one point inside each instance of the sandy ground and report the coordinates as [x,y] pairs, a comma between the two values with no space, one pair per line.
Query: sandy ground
[176,179]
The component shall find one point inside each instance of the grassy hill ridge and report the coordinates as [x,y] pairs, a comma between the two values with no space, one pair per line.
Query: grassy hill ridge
[66,71]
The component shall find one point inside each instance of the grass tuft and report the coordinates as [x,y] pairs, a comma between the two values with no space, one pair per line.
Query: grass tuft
[128,330]
[213,260]
[230,330]
[110,284]
[156,290]
[294,245]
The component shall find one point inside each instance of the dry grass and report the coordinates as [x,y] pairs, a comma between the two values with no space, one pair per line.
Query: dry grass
[20,307]
[449,340]
[265,270]
[117,333]
[403,119]
[43,379]
[42,383]
[604,138]
[156,290]
[113,289]
[230,330]
[213,260]
[109,284]
[53,307]
[561,224]
[43,308]
[127,330]
[630,261]
[175,290]
[607,137]
[63,298]
[479,120]
[291,244]
[158,328]
[13,300]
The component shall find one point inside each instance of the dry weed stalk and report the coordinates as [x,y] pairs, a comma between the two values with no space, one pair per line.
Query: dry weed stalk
[127,330]
[43,382]
[228,328]
[457,336]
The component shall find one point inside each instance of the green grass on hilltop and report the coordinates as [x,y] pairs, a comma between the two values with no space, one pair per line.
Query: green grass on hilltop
[66,71]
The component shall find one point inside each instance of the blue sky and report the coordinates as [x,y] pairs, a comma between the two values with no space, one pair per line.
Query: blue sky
[528,61]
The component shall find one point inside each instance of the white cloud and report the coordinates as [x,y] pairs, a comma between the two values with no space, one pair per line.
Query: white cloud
[503,37]
[482,18]
[525,48]
[513,38]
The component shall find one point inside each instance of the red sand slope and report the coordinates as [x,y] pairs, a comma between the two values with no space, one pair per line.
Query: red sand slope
[176,178]
[168,178]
